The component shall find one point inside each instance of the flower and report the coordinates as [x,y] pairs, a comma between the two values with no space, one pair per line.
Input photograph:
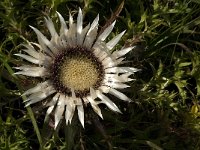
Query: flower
[77,67]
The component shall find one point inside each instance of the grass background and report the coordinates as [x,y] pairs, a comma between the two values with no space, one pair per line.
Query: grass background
[165,112]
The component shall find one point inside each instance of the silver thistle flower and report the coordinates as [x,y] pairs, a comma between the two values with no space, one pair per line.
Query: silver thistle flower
[77,67]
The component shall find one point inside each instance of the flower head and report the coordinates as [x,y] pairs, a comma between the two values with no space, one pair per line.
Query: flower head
[77,67]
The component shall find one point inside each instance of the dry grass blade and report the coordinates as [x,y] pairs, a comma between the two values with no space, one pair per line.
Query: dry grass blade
[113,16]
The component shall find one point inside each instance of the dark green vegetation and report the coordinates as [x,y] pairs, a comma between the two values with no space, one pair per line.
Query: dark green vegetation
[165,112]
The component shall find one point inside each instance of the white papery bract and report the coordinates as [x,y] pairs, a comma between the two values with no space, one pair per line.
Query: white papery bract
[77,67]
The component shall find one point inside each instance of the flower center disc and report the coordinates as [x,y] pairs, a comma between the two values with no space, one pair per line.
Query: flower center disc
[77,68]
[78,73]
